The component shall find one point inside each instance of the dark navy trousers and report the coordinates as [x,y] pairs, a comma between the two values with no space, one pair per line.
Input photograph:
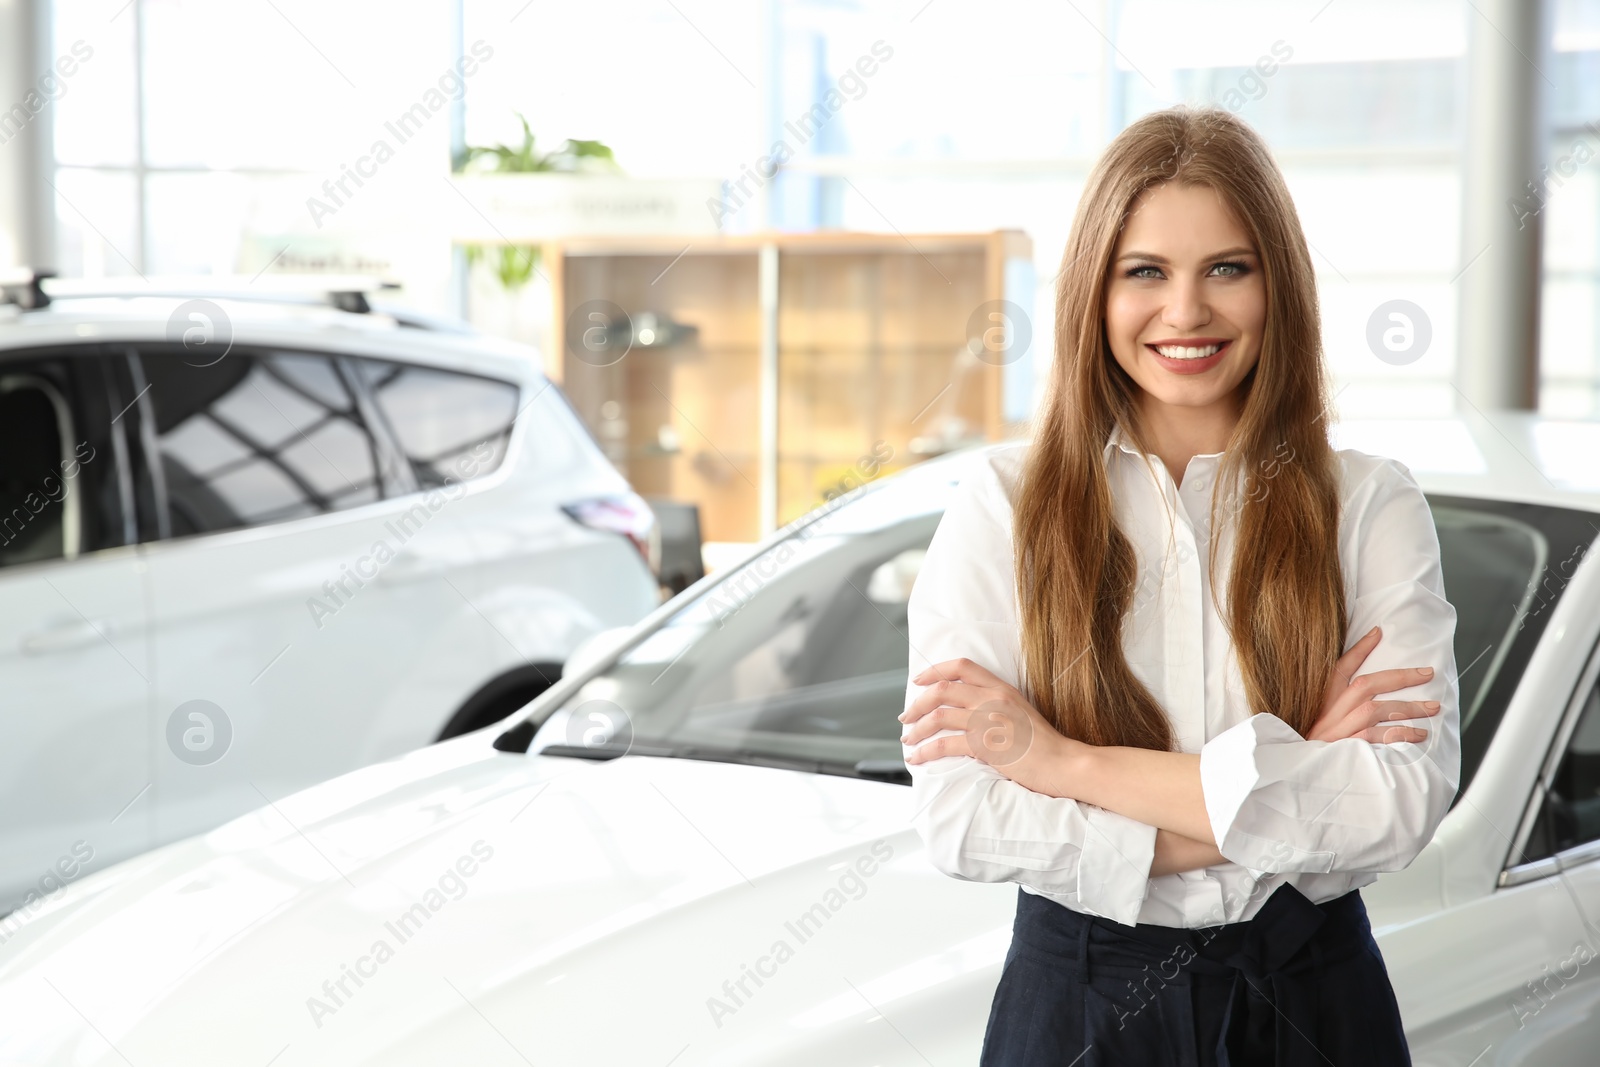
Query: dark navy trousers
[1297,984]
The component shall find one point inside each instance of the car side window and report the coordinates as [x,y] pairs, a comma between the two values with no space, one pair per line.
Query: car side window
[1570,813]
[256,437]
[449,425]
[60,495]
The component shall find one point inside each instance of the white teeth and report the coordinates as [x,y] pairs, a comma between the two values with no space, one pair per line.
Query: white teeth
[1182,352]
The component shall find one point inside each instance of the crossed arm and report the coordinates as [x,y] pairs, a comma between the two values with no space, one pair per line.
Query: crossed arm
[1160,789]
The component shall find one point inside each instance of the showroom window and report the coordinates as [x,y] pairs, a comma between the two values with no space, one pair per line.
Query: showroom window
[450,425]
[256,438]
[1367,124]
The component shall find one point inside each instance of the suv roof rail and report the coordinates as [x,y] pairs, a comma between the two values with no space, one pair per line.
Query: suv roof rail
[20,286]
[347,292]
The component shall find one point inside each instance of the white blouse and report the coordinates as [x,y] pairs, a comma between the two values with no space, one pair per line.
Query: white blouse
[1323,816]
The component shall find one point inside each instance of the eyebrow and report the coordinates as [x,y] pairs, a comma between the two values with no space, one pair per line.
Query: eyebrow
[1153,258]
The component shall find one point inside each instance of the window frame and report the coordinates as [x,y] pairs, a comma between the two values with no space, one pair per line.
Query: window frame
[99,377]
[1515,874]
[391,457]
[66,430]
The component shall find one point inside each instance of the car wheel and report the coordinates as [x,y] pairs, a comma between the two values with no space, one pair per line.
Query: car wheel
[500,697]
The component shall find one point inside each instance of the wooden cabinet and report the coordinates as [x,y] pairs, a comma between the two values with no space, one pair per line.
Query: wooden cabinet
[758,375]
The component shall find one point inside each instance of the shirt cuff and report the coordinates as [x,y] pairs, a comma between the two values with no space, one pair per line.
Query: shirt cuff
[1228,771]
[1114,866]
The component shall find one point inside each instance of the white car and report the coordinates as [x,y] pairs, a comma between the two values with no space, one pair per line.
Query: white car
[724,873]
[248,546]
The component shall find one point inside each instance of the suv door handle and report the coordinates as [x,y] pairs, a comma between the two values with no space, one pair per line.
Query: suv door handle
[67,635]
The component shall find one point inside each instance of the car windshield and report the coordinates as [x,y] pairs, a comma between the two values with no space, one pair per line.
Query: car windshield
[798,656]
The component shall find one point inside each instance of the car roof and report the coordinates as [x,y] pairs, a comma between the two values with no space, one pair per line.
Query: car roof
[386,332]
[1497,454]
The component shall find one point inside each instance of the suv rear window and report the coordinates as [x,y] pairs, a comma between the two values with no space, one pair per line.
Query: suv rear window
[447,423]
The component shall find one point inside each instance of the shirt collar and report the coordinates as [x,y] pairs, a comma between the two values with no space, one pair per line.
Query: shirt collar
[1118,439]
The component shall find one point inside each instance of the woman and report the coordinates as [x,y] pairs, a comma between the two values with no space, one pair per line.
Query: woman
[1134,702]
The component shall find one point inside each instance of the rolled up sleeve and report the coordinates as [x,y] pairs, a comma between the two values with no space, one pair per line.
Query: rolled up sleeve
[1277,802]
[976,824]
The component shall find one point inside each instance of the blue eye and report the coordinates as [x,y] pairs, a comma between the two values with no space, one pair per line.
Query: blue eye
[1235,270]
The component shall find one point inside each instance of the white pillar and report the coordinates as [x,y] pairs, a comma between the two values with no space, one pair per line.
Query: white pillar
[27,203]
[1509,71]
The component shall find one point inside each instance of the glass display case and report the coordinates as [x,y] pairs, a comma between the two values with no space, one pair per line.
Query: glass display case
[758,376]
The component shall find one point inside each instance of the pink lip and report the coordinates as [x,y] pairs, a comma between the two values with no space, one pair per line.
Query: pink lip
[1192,366]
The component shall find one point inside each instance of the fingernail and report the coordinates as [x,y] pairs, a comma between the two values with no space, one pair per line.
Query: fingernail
[1428,671]
[1372,631]
[1431,705]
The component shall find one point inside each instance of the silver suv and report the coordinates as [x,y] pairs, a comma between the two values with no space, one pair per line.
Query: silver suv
[247,545]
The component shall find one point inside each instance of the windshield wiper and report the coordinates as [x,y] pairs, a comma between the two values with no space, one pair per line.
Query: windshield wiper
[884,770]
[874,770]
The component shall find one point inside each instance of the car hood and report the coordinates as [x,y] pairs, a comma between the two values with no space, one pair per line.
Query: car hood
[461,903]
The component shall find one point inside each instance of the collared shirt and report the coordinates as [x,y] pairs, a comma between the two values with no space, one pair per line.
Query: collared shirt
[1325,817]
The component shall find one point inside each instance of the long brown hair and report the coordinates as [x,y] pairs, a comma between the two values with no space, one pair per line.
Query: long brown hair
[1076,572]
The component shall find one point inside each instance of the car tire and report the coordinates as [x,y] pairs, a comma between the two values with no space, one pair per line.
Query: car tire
[500,697]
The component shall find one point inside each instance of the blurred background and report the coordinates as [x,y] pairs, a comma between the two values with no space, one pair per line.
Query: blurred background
[371,371]
[814,197]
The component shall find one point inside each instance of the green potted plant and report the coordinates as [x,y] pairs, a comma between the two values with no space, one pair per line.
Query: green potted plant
[515,264]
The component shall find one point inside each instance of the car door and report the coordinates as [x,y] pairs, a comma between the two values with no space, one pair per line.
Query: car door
[1557,1013]
[503,555]
[1510,976]
[283,642]
[75,757]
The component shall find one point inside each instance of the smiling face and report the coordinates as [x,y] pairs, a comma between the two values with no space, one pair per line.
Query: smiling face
[1186,302]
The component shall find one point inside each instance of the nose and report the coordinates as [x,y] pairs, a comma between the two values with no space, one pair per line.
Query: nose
[1186,306]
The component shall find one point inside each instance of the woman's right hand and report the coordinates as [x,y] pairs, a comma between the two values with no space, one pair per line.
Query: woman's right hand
[1348,709]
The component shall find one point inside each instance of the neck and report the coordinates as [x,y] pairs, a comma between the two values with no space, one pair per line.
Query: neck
[1178,434]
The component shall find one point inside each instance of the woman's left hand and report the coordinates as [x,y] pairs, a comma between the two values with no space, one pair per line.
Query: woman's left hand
[998,725]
